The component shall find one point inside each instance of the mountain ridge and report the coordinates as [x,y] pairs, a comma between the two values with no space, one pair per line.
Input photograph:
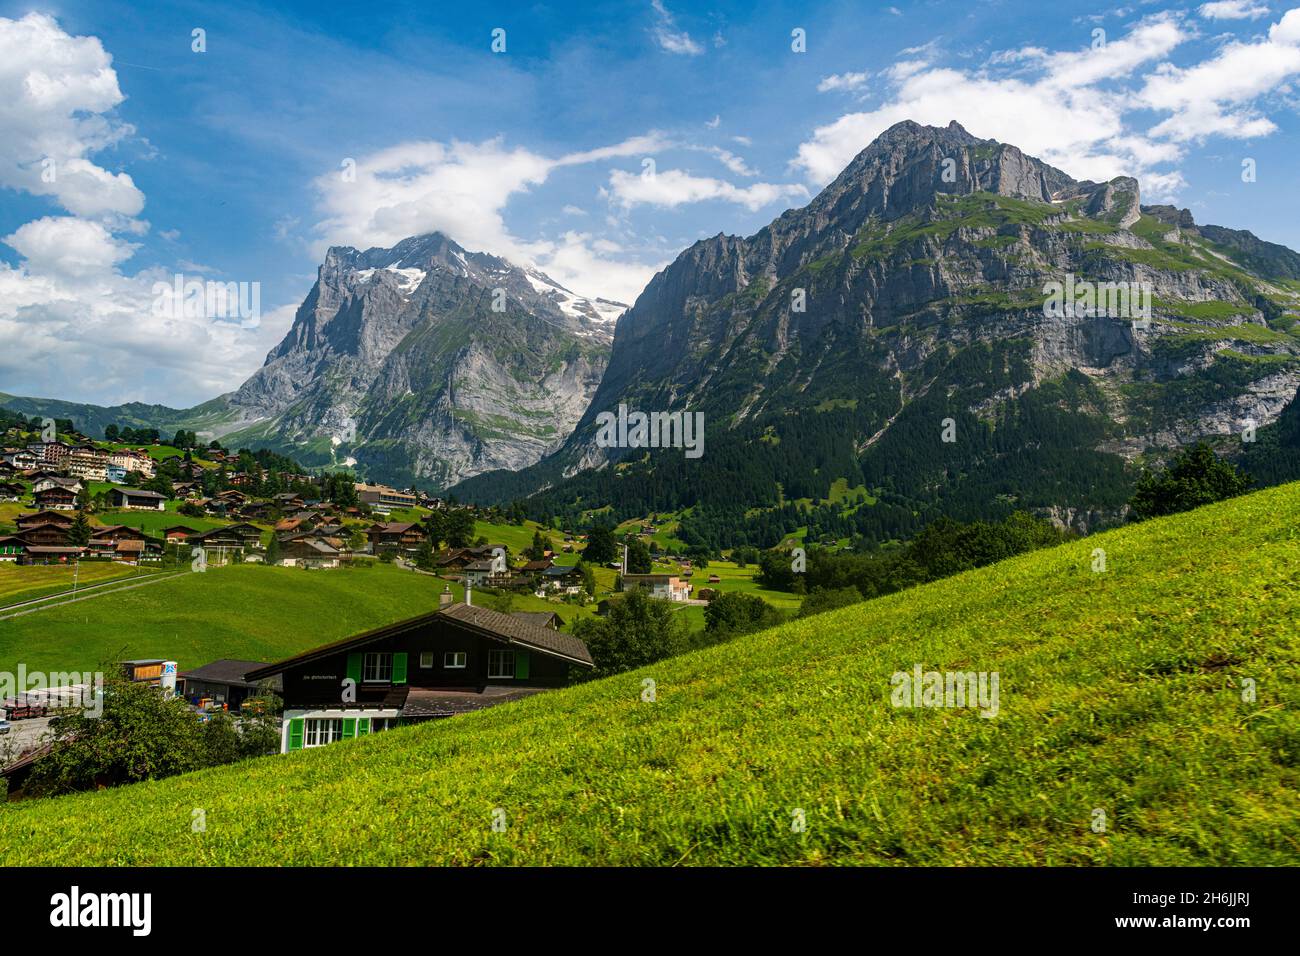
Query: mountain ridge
[924,267]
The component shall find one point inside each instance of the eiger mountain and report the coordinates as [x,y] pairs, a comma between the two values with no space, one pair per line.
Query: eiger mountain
[426,363]
[922,268]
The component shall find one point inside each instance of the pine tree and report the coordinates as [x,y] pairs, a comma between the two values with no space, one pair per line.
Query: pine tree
[79,530]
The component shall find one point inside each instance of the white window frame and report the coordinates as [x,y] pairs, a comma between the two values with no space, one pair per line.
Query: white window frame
[497,656]
[382,658]
[426,660]
[321,731]
[462,656]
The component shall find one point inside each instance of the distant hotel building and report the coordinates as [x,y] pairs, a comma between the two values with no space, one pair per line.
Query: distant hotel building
[383,498]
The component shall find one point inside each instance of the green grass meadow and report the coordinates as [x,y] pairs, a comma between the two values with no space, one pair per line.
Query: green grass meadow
[247,612]
[1124,698]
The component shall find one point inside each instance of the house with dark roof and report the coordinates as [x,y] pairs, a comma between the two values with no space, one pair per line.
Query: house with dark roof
[311,550]
[395,536]
[238,536]
[56,498]
[222,681]
[453,660]
[42,517]
[136,499]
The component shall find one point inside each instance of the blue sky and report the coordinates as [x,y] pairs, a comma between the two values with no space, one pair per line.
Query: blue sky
[229,164]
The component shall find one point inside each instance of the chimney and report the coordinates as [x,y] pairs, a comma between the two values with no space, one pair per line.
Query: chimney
[469,592]
[444,599]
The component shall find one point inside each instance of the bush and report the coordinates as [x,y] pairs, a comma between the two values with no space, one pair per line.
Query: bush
[638,630]
[1195,477]
[734,612]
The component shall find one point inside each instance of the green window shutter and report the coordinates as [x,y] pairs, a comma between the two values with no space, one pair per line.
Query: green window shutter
[521,665]
[295,734]
[399,668]
[363,726]
[349,728]
[354,667]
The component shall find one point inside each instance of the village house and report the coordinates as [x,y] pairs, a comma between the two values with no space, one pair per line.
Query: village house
[289,502]
[229,541]
[562,577]
[42,517]
[477,573]
[457,659]
[12,548]
[136,499]
[44,481]
[11,490]
[20,458]
[178,532]
[310,550]
[401,537]
[56,497]
[664,586]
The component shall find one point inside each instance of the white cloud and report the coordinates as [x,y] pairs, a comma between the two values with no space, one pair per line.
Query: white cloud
[55,93]
[726,157]
[68,248]
[673,187]
[1076,109]
[843,82]
[74,325]
[1232,10]
[1217,97]
[672,40]
[462,190]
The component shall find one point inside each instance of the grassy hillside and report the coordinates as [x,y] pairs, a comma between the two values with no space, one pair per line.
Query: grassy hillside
[25,582]
[248,612]
[1119,691]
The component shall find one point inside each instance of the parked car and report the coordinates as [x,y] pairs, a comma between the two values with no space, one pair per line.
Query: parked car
[5,726]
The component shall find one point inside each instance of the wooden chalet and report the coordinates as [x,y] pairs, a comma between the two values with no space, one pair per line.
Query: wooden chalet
[310,550]
[42,517]
[56,498]
[395,536]
[456,659]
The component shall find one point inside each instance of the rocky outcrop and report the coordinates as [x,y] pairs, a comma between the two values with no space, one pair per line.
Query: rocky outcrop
[931,252]
[429,363]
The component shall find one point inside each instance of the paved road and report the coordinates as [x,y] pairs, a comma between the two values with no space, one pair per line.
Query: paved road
[25,734]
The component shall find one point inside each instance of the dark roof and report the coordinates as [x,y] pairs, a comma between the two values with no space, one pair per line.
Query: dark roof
[517,631]
[138,493]
[227,671]
[560,570]
[540,618]
[478,620]
[46,517]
